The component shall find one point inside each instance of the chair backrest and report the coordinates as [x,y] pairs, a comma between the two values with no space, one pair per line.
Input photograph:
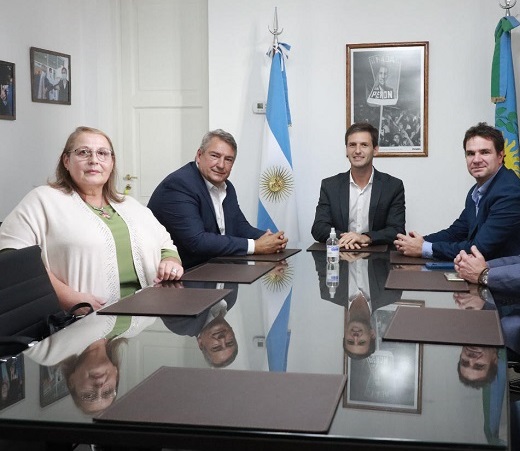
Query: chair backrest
[27,296]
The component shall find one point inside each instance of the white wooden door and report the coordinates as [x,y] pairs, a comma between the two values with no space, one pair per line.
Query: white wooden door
[164,88]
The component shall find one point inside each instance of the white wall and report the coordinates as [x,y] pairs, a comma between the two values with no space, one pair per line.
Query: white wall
[461,37]
[460,33]
[30,145]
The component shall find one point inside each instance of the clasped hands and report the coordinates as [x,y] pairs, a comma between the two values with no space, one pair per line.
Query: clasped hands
[353,240]
[409,245]
[470,266]
[270,243]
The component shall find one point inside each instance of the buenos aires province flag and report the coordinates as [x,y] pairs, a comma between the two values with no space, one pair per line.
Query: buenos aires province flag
[277,196]
[503,92]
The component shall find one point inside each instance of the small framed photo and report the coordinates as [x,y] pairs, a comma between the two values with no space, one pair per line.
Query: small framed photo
[387,86]
[12,377]
[7,91]
[52,385]
[50,77]
[390,378]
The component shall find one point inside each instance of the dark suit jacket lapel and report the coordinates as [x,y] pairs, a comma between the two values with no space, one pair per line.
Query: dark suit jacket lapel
[344,196]
[483,208]
[377,189]
[205,193]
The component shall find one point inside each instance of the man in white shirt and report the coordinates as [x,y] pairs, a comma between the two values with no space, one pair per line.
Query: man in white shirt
[364,205]
[198,205]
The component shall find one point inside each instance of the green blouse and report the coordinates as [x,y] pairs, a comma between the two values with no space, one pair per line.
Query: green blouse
[127,274]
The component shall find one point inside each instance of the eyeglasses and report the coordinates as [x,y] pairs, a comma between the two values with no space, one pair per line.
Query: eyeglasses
[102,154]
[92,396]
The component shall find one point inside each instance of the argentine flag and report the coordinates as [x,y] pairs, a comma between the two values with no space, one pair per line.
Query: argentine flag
[277,196]
[503,92]
[277,208]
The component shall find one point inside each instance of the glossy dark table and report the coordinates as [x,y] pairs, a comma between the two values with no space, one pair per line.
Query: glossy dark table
[404,396]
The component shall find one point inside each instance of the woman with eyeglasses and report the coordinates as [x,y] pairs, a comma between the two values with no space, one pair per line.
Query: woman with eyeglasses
[97,245]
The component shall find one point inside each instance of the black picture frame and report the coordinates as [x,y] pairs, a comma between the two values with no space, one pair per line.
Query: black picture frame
[366,389]
[7,91]
[396,103]
[51,79]
[12,377]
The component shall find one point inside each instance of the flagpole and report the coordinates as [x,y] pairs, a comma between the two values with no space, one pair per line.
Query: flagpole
[507,6]
[275,31]
[277,201]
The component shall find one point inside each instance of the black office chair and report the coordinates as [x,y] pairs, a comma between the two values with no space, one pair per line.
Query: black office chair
[27,298]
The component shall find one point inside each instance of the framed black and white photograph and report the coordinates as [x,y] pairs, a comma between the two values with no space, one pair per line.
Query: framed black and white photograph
[391,377]
[7,91]
[50,76]
[53,385]
[387,86]
[12,376]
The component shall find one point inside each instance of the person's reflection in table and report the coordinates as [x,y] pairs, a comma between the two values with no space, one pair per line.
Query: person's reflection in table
[484,367]
[93,376]
[360,336]
[477,365]
[361,290]
[90,364]
[217,339]
[215,336]
[478,298]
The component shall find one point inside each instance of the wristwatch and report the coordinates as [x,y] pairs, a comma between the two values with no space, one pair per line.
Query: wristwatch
[483,277]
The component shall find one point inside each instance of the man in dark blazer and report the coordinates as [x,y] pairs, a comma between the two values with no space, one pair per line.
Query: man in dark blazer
[491,217]
[63,86]
[198,205]
[365,206]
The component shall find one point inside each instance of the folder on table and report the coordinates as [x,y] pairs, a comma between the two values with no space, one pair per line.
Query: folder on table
[232,399]
[401,279]
[445,326]
[276,257]
[166,301]
[240,272]
[396,258]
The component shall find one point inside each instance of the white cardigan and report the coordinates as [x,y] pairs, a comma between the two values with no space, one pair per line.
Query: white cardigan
[77,246]
[74,339]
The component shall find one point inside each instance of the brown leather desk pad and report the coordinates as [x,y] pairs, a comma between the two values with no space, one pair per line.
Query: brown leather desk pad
[396,258]
[231,399]
[401,279]
[166,301]
[228,272]
[277,257]
[445,326]
[323,248]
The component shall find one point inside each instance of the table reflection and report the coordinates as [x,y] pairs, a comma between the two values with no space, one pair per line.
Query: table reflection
[215,336]
[85,358]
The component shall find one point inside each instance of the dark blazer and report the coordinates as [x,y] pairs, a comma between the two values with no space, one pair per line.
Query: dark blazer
[386,215]
[182,204]
[496,228]
[504,274]
[192,326]
[63,93]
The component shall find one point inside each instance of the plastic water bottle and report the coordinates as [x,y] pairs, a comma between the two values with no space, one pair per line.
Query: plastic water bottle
[332,278]
[332,247]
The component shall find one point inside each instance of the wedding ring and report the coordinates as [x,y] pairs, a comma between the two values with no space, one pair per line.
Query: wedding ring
[173,271]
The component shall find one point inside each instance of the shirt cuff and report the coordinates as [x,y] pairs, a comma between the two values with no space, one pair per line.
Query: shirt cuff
[250,246]
[427,250]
